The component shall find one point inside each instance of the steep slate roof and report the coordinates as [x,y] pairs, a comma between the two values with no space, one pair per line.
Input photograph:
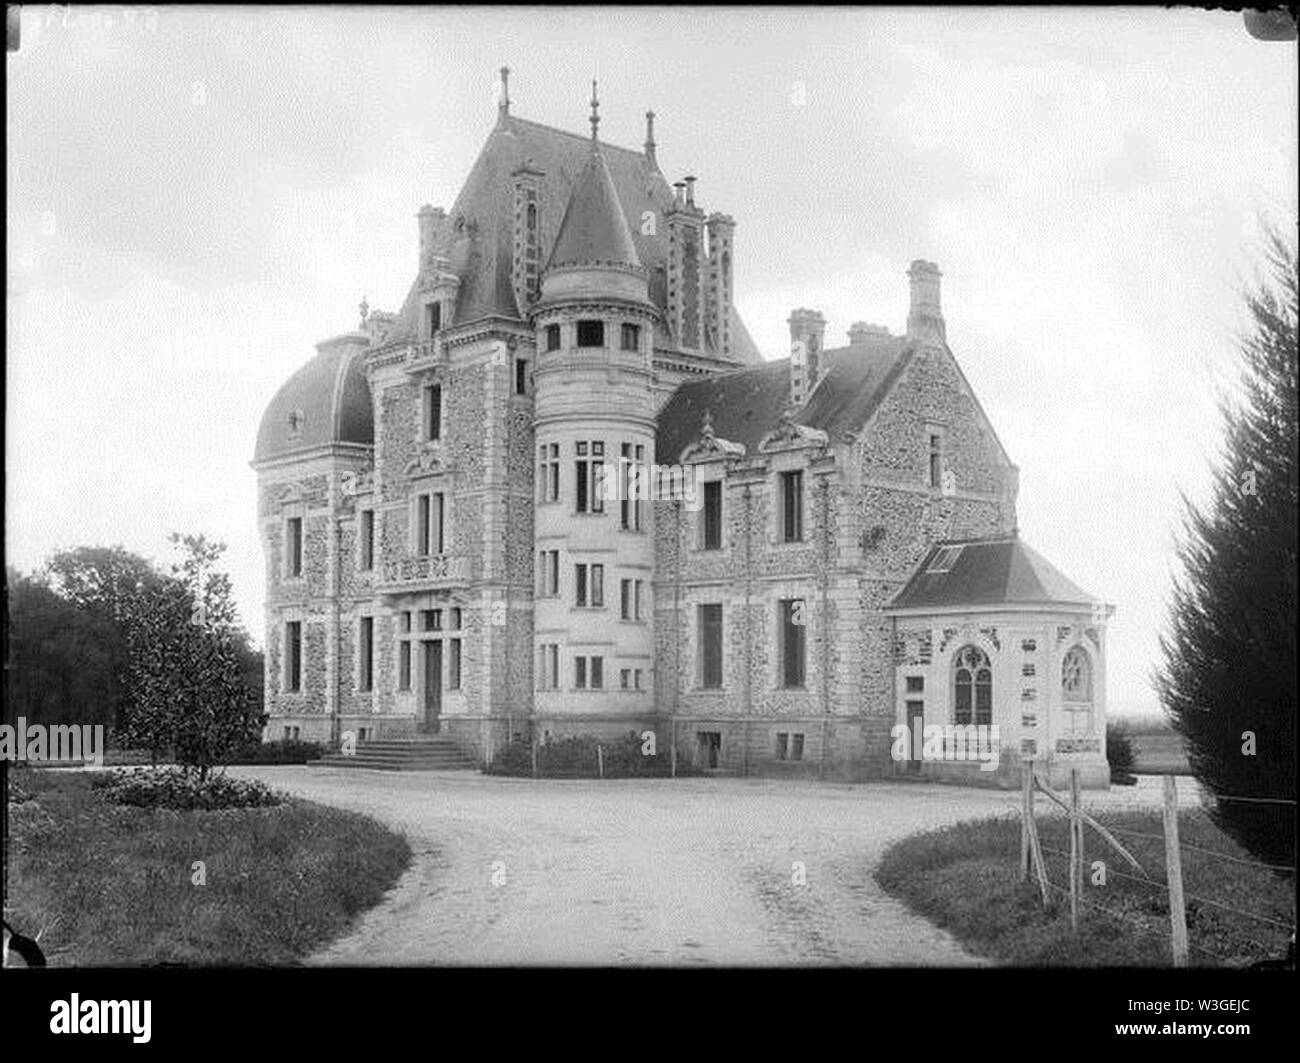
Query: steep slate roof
[482,251]
[989,572]
[332,396]
[747,404]
[593,229]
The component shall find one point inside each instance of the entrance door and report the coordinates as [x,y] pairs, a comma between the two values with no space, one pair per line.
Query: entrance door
[432,684]
[915,735]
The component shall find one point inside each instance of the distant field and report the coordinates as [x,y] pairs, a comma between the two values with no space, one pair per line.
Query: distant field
[1158,752]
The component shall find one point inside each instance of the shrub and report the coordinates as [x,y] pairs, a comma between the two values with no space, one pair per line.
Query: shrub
[575,757]
[184,791]
[284,751]
[1119,751]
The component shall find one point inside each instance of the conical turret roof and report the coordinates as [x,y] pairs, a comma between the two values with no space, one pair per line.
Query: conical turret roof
[594,229]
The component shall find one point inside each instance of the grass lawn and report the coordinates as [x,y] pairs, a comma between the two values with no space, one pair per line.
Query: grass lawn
[113,884]
[966,879]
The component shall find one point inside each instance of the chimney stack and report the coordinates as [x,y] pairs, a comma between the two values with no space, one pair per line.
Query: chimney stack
[861,333]
[690,191]
[650,140]
[807,329]
[431,221]
[926,312]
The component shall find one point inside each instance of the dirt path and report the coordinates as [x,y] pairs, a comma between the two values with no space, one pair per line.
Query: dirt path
[699,871]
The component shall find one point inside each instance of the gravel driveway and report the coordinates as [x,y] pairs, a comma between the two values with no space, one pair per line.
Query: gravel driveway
[630,872]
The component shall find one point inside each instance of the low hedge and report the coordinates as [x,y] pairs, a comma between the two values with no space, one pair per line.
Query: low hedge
[576,757]
[281,751]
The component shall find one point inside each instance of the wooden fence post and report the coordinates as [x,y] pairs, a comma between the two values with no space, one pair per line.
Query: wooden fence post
[1035,847]
[1174,873]
[1026,801]
[1075,855]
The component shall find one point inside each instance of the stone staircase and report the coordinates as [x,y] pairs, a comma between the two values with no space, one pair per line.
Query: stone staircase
[420,753]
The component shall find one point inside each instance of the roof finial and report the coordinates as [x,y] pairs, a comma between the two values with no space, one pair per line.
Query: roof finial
[503,103]
[595,115]
[365,311]
[650,139]
[706,429]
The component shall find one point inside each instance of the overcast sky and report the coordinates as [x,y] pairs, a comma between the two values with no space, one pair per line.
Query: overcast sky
[198,196]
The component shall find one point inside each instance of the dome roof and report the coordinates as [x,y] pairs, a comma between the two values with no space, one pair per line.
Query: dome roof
[327,401]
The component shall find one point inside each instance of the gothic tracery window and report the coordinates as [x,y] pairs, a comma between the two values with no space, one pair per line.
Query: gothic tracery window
[973,687]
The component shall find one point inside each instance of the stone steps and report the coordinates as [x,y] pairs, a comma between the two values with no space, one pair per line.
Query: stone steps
[432,753]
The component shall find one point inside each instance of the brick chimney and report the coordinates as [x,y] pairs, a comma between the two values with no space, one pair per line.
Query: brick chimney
[807,329]
[926,312]
[431,222]
[862,333]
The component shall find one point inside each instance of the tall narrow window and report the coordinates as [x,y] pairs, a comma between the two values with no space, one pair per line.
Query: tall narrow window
[713,515]
[625,599]
[936,460]
[597,673]
[710,619]
[591,333]
[791,616]
[293,655]
[453,666]
[548,472]
[792,506]
[432,412]
[404,655]
[422,524]
[580,673]
[439,523]
[433,318]
[367,539]
[631,338]
[598,586]
[589,473]
[521,376]
[366,643]
[579,584]
[552,337]
[295,546]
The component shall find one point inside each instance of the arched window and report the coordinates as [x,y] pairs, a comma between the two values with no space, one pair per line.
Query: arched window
[1076,676]
[972,687]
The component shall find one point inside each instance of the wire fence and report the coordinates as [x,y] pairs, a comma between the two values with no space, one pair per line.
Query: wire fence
[1168,889]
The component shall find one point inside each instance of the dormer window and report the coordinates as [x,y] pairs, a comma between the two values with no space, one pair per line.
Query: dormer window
[552,337]
[944,559]
[433,318]
[591,333]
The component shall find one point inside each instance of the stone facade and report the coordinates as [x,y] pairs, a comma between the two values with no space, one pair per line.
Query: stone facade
[446,577]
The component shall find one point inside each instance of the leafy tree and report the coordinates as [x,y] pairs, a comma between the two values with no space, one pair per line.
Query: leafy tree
[1228,679]
[59,659]
[188,665]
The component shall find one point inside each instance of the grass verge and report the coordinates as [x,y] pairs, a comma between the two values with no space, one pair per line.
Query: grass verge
[966,879]
[110,884]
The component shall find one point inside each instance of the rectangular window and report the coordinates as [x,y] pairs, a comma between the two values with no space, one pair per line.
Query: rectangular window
[433,318]
[439,523]
[548,574]
[453,667]
[579,584]
[625,599]
[591,333]
[293,655]
[625,678]
[521,376]
[366,642]
[430,619]
[548,666]
[552,337]
[624,486]
[636,678]
[936,460]
[636,599]
[295,546]
[580,673]
[710,622]
[792,506]
[598,586]
[404,664]
[597,673]
[796,747]
[456,617]
[782,745]
[367,539]
[713,515]
[631,338]
[422,504]
[915,684]
[432,412]
[791,614]
[548,472]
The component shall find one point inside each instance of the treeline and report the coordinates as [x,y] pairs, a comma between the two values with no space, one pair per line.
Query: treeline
[100,635]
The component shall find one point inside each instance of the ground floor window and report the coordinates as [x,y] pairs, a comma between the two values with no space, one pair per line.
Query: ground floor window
[708,748]
[789,746]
